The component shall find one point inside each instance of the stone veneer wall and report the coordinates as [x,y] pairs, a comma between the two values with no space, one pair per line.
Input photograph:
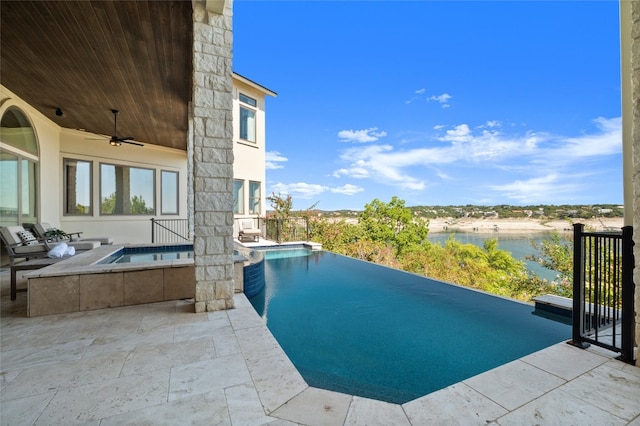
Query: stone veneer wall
[635,137]
[212,157]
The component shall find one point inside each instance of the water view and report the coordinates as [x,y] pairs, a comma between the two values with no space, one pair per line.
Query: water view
[519,245]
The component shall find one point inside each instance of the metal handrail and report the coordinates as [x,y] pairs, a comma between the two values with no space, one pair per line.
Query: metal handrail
[603,290]
[171,230]
[286,230]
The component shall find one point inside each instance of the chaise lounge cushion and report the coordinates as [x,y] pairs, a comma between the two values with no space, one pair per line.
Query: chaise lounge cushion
[10,234]
[84,244]
[247,230]
[42,228]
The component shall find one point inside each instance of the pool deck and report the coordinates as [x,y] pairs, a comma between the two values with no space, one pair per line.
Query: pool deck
[161,363]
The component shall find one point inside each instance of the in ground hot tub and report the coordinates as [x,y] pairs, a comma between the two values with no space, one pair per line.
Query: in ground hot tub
[83,282]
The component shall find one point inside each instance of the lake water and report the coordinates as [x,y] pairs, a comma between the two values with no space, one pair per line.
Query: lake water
[519,245]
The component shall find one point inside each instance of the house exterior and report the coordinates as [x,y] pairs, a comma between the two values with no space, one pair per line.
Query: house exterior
[249,144]
[170,77]
[77,181]
[183,100]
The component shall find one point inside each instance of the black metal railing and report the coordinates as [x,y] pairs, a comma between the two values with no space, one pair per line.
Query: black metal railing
[603,290]
[170,231]
[286,230]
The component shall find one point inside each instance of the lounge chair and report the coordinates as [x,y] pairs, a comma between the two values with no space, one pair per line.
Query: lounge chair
[44,230]
[247,230]
[34,252]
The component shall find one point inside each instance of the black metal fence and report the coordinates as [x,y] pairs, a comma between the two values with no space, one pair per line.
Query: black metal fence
[603,290]
[286,230]
[170,231]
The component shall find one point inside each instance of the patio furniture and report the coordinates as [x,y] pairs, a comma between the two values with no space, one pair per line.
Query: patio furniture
[22,244]
[44,230]
[248,231]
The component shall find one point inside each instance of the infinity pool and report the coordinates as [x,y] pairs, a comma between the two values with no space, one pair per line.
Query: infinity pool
[367,330]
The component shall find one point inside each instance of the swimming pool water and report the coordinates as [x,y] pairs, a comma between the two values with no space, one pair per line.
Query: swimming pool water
[282,253]
[150,254]
[364,329]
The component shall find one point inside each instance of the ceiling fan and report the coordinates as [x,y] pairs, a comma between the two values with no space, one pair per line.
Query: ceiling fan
[115,140]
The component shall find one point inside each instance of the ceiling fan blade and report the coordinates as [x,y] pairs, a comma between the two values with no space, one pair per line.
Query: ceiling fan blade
[132,143]
[128,138]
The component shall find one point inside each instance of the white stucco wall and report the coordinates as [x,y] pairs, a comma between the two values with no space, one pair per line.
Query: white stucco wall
[122,228]
[249,157]
[56,143]
[48,138]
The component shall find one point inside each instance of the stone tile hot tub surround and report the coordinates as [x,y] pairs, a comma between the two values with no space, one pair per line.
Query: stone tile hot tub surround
[80,283]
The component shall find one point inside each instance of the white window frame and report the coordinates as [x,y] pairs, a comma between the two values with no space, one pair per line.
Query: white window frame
[238,196]
[255,202]
[167,199]
[65,162]
[152,191]
[248,122]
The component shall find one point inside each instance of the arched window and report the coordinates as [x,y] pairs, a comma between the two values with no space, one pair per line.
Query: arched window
[18,169]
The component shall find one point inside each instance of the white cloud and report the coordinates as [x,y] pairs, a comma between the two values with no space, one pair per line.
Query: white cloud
[460,133]
[538,189]
[355,172]
[485,146]
[607,141]
[272,160]
[347,189]
[442,99]
[361,136]
[442,175]
[305,190]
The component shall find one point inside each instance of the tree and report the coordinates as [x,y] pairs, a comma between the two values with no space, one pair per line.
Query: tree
[555,253]
[393,224]
[280,205]
[391,235]
[139,206]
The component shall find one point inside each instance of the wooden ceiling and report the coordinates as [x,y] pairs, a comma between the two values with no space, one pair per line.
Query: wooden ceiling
[88,57]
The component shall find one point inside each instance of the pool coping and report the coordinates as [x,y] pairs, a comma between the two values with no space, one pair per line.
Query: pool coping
[87,263]
[593,385]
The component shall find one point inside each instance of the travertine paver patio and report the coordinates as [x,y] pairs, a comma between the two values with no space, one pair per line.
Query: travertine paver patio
[163,364]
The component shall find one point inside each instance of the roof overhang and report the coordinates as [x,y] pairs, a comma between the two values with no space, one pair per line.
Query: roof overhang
[254,85]
[89,57]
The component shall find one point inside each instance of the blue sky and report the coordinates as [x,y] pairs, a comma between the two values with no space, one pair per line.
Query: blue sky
[437,103]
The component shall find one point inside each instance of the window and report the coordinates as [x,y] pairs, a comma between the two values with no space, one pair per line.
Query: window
[16,131]
[254,198]
[169,192]
[126,190]
[238,196]
[18,169]
[77,187]
[248,118]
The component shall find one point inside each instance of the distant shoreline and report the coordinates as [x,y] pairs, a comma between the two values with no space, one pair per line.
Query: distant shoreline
[515,226]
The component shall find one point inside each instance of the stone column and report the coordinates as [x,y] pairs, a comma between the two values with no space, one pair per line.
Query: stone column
[212,155]
[635,136]
[630,66]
